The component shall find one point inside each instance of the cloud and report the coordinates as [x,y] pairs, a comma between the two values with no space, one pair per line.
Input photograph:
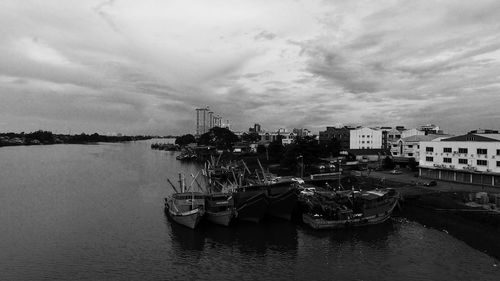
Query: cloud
[264,35]
[145,66]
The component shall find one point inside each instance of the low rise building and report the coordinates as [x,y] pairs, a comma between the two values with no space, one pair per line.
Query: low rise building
[409,147]
[470,158]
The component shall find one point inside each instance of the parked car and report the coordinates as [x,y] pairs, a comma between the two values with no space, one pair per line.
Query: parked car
[396,172]
[431,183]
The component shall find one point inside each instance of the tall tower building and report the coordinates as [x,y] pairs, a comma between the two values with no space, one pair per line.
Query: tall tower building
[202,118]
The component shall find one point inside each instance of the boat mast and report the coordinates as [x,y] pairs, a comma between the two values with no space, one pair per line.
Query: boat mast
[180,183]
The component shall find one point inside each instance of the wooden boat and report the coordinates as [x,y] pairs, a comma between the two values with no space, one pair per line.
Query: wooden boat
[282,205]
[251,203]
[220,208]
[345,209]
[186,208]
[282,199]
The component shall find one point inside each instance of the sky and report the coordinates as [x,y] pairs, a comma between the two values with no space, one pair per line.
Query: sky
[143,67]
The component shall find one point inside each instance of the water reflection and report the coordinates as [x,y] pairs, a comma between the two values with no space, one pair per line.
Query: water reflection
[247,238]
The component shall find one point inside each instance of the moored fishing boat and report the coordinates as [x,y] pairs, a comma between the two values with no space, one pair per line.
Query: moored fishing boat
[282,205]
[251,203]
[282,197]
[186,208]
[342,209]
[220,208]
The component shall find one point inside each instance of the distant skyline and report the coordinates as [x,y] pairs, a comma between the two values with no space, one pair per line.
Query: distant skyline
[142,67]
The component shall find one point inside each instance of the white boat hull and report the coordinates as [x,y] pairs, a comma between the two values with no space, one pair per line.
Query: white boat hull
[190,219]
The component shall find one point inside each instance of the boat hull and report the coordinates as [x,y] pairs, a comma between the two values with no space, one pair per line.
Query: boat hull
[253,209]
[189,219]
[317,222]
[221,218]
[282,206]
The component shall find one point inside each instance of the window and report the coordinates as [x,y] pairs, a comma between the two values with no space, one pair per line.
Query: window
[498,151]
[410,154]
[410,146]
[447,149]
[498,163]
[429,159]
[462,150]
[447,160]
[462,161]
[482,162]
[429,149]
[394,153]
[482,151]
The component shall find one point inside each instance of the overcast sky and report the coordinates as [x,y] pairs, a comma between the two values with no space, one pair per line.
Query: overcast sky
[138,67]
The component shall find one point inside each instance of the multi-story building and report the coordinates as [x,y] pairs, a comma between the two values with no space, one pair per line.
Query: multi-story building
[470,158]
[206,120]
[285,136]
[409,147]
[353,137]
[385,135]
[365,138]
[393,135]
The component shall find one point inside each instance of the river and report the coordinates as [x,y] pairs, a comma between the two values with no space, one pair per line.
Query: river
[95,212]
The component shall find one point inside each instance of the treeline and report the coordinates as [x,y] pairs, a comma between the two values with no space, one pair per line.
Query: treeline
[47,137]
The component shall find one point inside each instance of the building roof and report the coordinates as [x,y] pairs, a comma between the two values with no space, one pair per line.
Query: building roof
[419,138]
[475,137]
[489,135]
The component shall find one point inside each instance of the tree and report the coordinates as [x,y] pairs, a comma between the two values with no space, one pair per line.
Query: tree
[412,164]
[222,138]
[305,151]
[388,163]
[275,150]
[185,140]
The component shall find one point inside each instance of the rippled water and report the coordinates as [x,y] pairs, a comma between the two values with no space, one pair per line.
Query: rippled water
[95,212]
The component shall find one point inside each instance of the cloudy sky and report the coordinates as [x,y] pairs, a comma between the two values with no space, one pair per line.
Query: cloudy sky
[144,66]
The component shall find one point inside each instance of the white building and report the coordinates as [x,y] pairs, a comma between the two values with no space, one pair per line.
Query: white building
[286,136]
[471,158]
[365,138]
[409,147]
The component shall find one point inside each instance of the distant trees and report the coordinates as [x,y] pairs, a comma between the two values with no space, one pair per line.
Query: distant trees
[221,138]
[304,150]
[185,140]
[45,137]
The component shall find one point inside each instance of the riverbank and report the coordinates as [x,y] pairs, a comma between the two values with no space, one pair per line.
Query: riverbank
[47,138]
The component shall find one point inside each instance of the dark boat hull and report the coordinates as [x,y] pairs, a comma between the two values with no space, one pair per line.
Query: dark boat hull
[221,218]
[253,209]
[318,222]
[282,205]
